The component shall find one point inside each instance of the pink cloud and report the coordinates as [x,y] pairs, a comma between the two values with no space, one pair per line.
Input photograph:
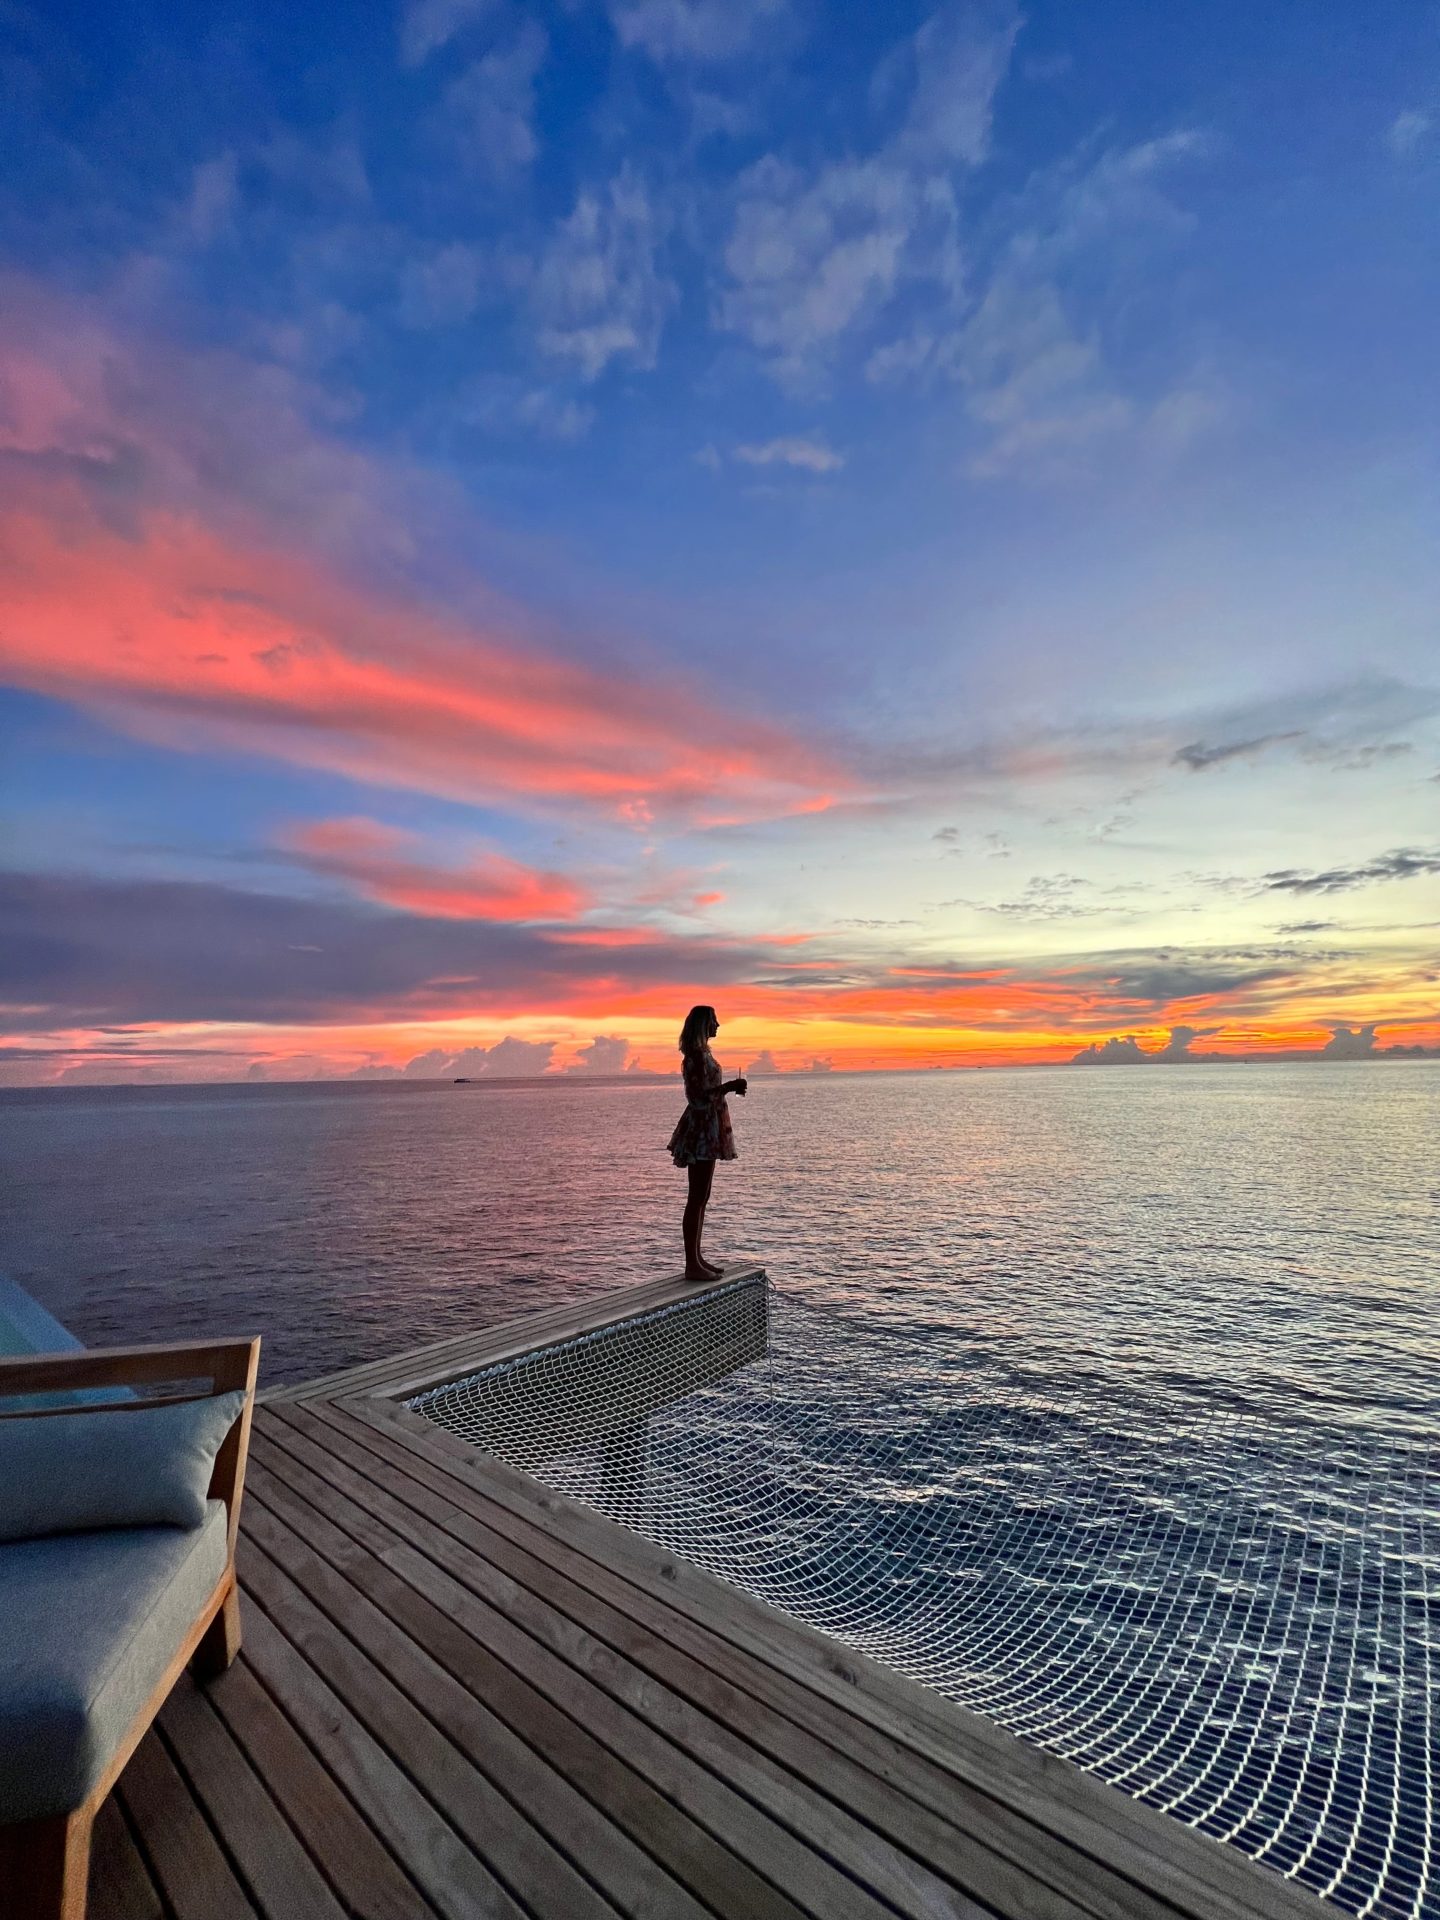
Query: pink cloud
[206,578]
[374,859]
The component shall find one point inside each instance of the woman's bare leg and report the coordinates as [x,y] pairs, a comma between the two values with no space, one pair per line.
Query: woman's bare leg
[701,1175]
[708,1266]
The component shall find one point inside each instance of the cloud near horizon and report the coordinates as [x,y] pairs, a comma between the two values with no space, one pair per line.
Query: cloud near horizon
[97,973]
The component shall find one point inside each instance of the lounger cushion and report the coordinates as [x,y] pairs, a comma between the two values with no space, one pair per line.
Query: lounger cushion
[90,1623]
[150,1467]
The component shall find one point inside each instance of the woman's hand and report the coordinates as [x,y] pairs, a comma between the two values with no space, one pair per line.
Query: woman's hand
[740,1085]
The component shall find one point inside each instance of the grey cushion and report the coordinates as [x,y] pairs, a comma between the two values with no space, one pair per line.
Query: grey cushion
[68,1472]
[88,1624]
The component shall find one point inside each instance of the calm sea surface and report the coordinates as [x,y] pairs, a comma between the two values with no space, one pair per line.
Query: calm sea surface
[1102,1401]
[1267,1234]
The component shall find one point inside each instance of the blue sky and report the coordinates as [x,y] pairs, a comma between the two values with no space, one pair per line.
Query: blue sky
[998,443]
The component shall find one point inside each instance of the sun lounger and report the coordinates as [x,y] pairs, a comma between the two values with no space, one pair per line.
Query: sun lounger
[117,1568]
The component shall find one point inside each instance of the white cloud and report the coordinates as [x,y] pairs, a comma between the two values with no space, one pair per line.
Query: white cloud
[606,1053]
[809,256]
[961,54]
[443,290]
[1408,131]
[1190,410]
[702,31]
[1044,67]
[429,1066]
[320,331]
[1036,373]
[713,114]
[511,406]
[817,254]
[554,416]
[1031,356]
[598,292]
[510,1057]
[812,455]
[214,194]
[330,171]
[426,25]
[901,358]
[492,104]
[522,1058]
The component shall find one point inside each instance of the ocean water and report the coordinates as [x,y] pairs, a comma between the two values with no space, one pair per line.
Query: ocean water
[1102,1401]
[1270,1233]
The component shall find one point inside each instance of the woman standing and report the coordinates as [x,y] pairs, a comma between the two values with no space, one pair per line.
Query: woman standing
[703,1135]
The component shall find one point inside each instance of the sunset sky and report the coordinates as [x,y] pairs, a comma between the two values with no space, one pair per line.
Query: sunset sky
[919,526]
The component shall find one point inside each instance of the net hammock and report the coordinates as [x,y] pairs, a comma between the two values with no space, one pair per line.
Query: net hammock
[1233,1617]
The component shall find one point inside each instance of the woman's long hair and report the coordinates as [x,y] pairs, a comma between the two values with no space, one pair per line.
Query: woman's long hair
[695,1034]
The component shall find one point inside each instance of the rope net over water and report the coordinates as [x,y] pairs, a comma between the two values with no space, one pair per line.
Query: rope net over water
[1233,1618]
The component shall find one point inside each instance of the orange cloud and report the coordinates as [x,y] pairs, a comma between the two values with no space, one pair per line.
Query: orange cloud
[369,856]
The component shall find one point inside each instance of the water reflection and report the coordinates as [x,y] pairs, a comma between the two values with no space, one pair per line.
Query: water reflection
[1262,1231]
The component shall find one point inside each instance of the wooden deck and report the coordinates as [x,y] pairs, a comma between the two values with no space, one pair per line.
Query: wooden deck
[463,1695]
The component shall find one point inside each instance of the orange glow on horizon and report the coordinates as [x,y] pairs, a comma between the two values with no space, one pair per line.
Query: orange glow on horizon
[213,1052]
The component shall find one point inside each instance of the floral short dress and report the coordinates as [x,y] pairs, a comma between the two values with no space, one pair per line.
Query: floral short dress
[704,1129]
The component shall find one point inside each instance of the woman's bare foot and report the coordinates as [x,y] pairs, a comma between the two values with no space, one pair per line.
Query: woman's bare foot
[711,1268]
[697,1274]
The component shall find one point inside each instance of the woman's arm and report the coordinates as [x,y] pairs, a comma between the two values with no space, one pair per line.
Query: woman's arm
[699,1093]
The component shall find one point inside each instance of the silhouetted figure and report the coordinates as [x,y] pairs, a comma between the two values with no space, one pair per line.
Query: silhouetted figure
[703,1135]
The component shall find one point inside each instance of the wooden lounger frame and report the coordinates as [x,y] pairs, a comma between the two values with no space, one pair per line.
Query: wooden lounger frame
[45,1864]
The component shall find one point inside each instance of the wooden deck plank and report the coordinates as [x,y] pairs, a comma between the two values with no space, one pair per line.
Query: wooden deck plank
[596,1811]
[977,1841]
[183,1856]
[355,1862]
[621,1827]
[1202,1879]
[517,1844]
[834,1805]
[119,1878]
[454,1695]
[455,1883]
[703,1830]
[278,1874]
